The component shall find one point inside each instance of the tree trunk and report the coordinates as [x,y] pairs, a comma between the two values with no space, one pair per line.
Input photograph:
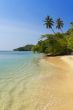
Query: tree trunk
[53,30]
[61,30]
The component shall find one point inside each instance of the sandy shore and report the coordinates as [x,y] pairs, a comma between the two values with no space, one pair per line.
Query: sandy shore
[68,60]
[62,62]
[58,88]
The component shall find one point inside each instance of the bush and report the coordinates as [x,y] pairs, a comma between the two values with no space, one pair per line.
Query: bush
[56,44]
[70,43]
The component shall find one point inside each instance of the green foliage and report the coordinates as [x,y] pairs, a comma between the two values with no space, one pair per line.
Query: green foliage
[59,24]
[35,48]
[40,47]
[57,43]
[49,23]
[70,43]
[54,44]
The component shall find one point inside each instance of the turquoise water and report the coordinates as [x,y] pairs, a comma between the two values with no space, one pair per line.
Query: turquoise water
[19,72]
[17,62]
[28,82]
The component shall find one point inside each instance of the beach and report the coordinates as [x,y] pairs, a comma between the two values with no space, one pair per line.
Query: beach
[63,62]
[31,82]
[60,87]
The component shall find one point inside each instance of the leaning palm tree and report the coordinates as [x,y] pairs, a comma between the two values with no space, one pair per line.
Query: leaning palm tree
[49,23]
[59,24]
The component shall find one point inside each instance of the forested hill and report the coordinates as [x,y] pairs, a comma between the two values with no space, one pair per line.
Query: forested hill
[24,48]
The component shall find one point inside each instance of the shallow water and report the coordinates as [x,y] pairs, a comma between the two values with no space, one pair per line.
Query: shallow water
[28,84]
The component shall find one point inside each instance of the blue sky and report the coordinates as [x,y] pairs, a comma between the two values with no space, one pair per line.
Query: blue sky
[21,21]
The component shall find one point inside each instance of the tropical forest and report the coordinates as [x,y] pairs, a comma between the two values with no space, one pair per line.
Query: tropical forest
[58,42]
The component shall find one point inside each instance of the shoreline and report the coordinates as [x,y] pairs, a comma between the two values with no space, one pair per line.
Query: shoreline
[58,83]
[62,62]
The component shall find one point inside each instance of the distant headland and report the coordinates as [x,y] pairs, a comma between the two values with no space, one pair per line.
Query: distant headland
[24,48]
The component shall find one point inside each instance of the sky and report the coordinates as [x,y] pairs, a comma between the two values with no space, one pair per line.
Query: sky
[21,21]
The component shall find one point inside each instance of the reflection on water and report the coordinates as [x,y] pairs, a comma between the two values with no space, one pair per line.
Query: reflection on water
[28,84]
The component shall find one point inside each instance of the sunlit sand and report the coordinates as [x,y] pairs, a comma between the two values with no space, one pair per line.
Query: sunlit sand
[60,84]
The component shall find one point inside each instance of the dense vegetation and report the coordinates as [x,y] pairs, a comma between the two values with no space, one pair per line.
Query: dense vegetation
[58,43]
[24,48]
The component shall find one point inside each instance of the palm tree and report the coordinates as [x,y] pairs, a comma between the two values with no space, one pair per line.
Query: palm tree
[59,24]
[49,23]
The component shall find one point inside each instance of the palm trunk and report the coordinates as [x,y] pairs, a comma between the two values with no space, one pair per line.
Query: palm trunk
[53,30]
[61,30]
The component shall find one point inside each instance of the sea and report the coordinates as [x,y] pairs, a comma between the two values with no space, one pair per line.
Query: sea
[18,72]
[29,83]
